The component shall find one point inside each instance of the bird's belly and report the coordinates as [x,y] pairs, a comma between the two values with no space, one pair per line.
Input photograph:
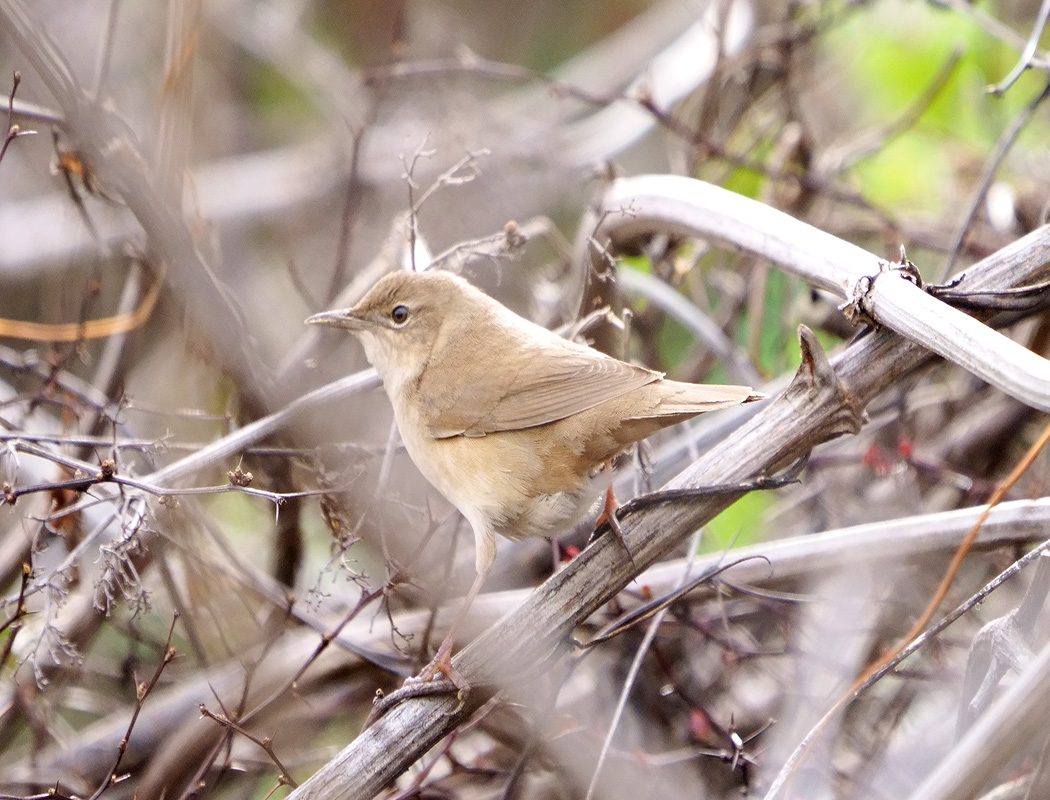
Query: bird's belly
[497,478]
[546,515]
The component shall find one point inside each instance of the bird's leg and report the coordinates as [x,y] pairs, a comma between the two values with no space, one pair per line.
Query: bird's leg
[423,683]
[609,509]
[442,660]
[608,514]
[485,552]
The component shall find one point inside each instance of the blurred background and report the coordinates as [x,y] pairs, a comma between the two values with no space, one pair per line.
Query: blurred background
[204,176]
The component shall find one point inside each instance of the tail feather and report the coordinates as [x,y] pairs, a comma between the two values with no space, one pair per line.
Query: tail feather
[694,398]
[669,402]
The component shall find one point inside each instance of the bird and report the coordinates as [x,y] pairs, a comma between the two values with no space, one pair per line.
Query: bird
[515,425]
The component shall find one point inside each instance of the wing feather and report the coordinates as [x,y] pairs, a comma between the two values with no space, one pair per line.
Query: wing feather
[551,384]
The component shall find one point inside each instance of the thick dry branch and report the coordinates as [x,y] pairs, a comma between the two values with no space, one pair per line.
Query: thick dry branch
[824,401]
[911,312]
[817,406]
[632,208]
[635,207]
[1010,523]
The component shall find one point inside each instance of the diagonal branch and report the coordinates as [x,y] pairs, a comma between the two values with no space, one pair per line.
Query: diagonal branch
[636,207]
[825,400]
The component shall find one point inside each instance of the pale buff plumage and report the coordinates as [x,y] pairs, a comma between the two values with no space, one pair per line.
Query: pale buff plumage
[508,420]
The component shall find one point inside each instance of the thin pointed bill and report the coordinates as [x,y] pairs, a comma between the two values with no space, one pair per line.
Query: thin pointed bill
[344,318]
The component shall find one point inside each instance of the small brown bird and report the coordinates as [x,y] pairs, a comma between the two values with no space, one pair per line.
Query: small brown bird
[509,421]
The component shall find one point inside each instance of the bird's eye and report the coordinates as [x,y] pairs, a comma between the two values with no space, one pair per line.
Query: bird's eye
[399,315]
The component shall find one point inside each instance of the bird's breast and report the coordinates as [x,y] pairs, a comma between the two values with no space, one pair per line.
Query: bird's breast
[515,481]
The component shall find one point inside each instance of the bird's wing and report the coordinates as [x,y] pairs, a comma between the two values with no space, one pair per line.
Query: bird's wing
[552,383]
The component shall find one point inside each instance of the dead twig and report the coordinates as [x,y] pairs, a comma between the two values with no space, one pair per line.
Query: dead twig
[142,691]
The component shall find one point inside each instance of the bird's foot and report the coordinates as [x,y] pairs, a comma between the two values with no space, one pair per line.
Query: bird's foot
[425,685]
[441,664]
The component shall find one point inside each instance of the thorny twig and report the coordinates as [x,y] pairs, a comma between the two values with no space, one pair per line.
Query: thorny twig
[441,752]
[413,215]
[1025,61]
[14,622]
[54,793]
[647,610]
[450,177]
[85,478]
[635,668]
[354,193]
[13,130]
[326,640]
[266,744]
[142,691]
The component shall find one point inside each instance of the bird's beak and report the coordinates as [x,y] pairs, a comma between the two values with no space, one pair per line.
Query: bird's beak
[345,318]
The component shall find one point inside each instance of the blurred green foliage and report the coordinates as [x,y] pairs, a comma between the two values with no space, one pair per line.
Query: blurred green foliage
[280,105]
[888,55]
[741,524]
